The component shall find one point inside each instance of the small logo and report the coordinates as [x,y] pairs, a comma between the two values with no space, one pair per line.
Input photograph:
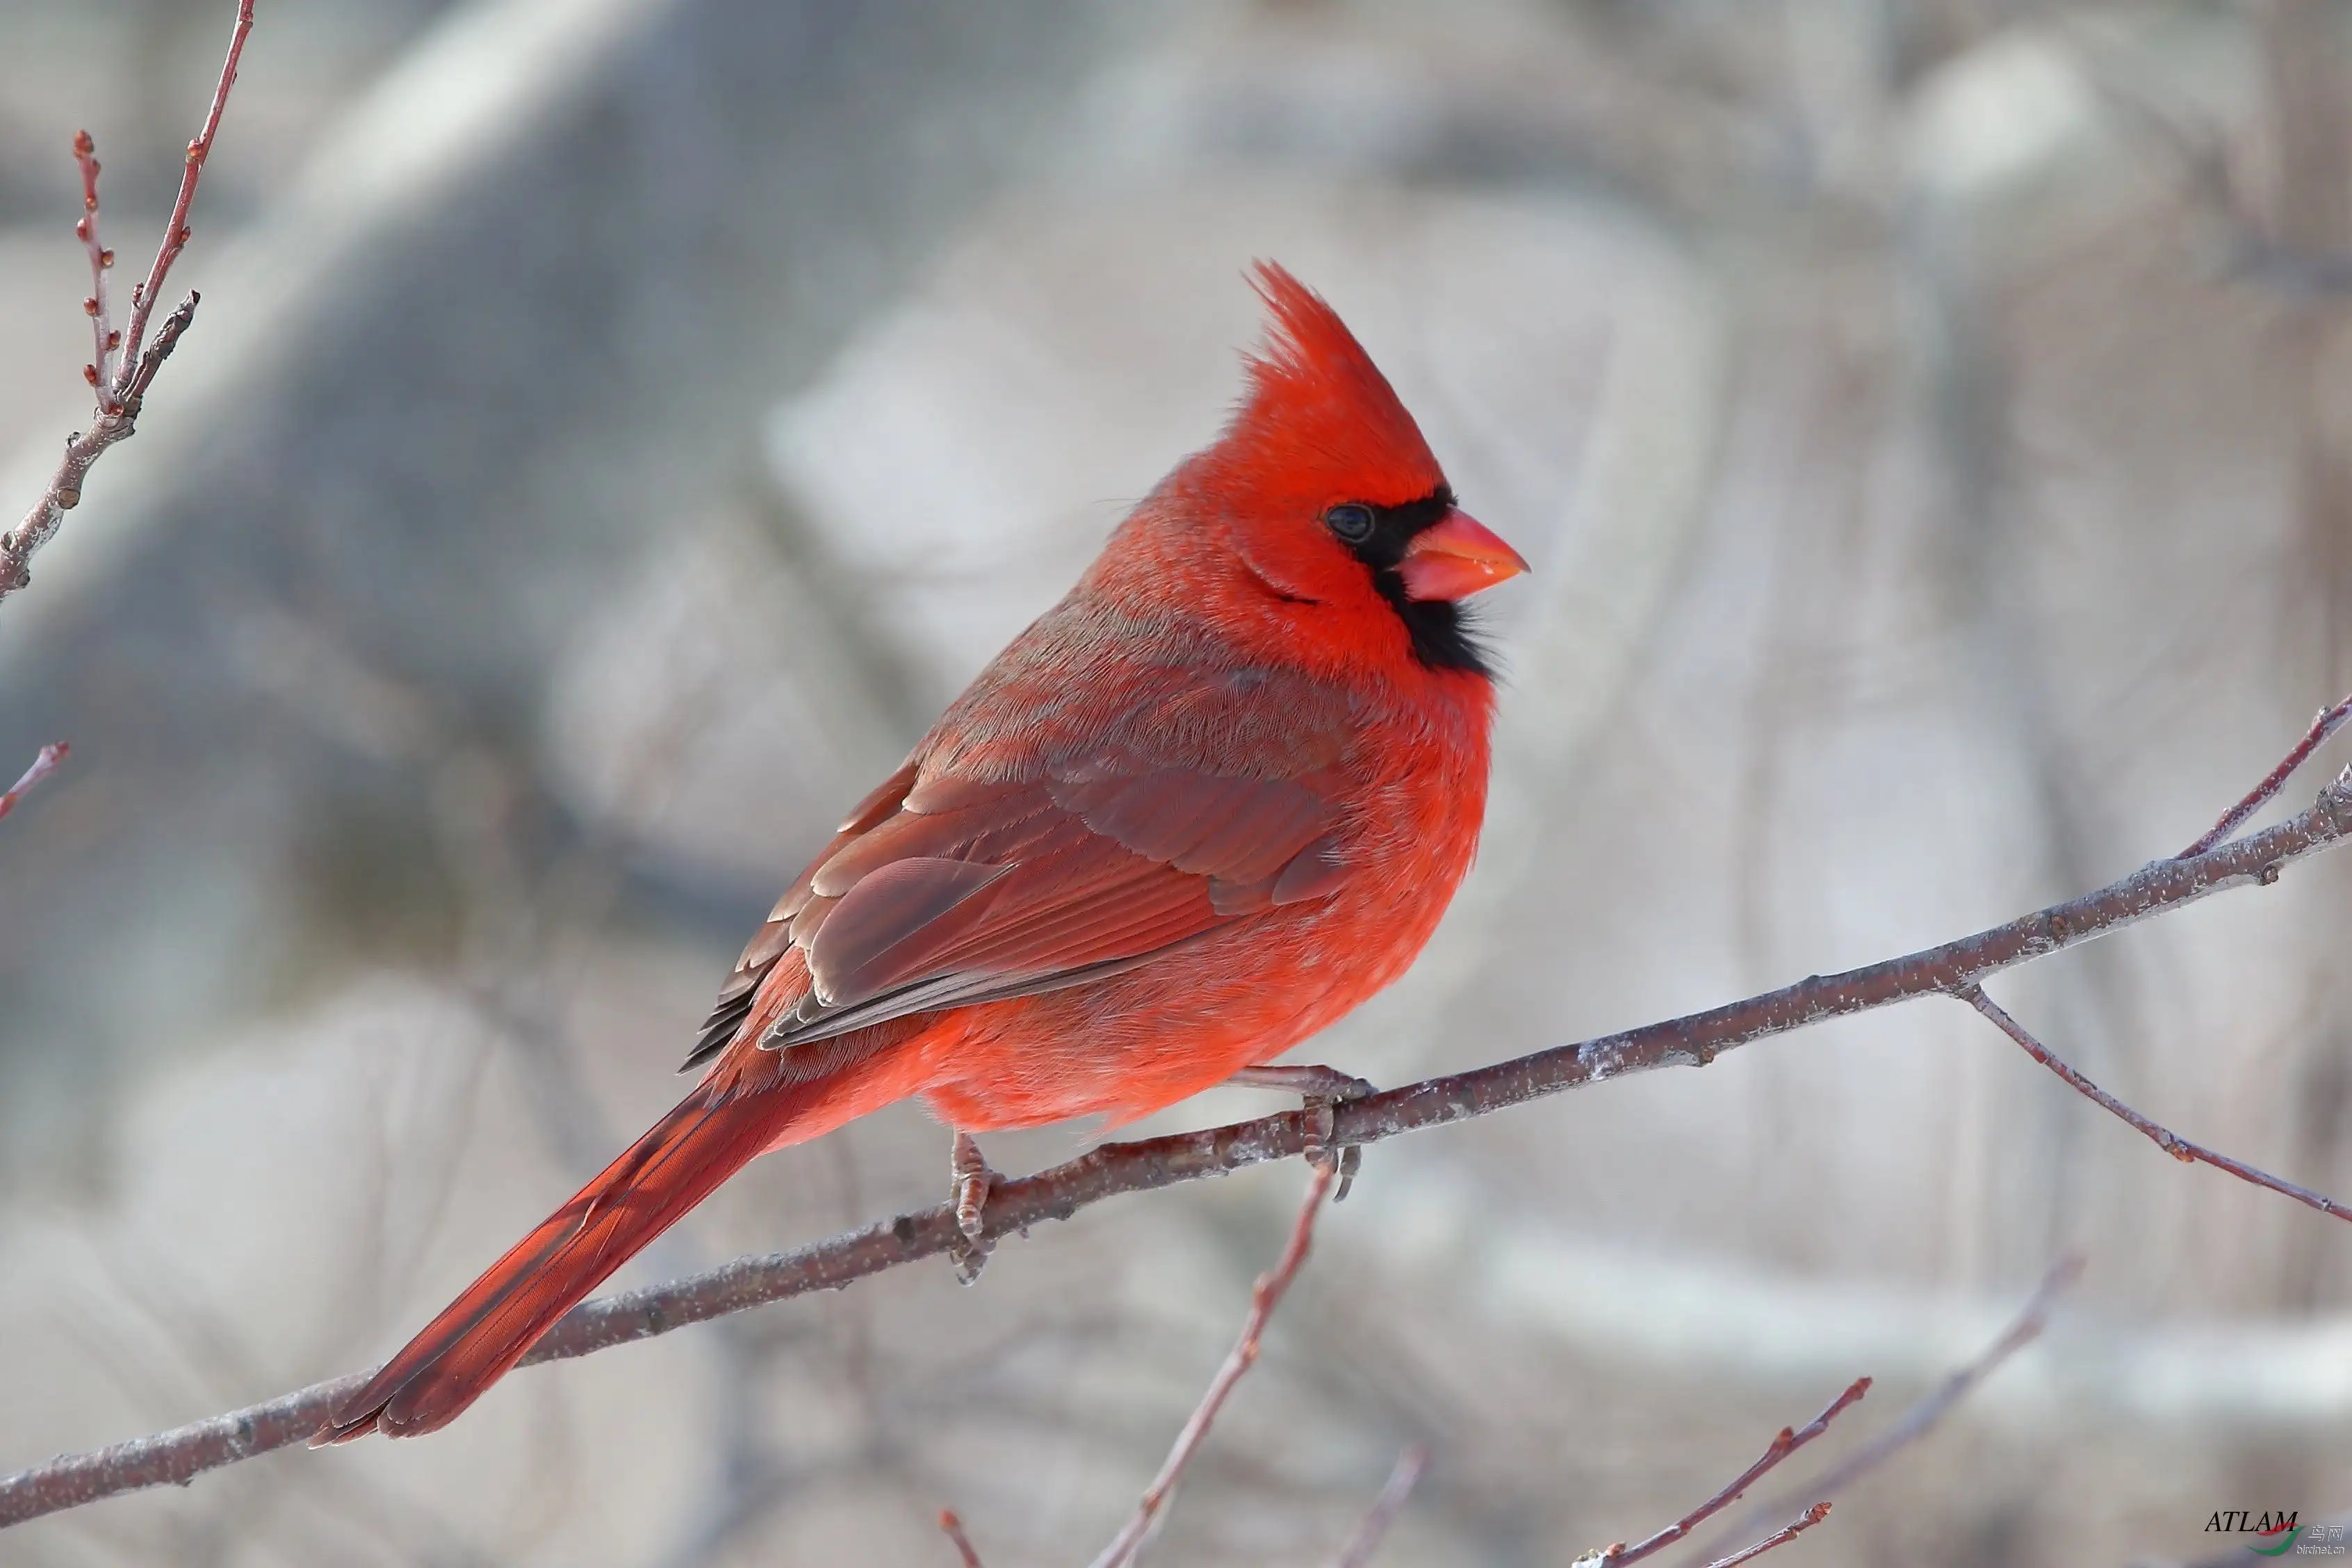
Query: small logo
[2286,1533]
[2276,1532]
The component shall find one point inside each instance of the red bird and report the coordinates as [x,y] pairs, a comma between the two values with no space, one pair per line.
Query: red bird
[1205,805]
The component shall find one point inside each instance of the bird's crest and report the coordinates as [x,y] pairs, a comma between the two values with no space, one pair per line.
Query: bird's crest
[1317,409]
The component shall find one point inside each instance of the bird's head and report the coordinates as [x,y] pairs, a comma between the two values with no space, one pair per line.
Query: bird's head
[1328,524]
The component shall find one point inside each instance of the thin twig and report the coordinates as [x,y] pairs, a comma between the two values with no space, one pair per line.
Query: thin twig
[1148,1165]
[1790,1440]
[176,234]
[104,339]
[1780,1537]
[2173,1143]
[45,764]
[1265,1297]
[120,383]
[952,1528]
[1924,1417]
[2330,719]
[1402,1478]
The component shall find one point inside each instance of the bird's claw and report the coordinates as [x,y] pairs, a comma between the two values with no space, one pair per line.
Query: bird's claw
[973,1179]
[1322,1122]
[1321,1090]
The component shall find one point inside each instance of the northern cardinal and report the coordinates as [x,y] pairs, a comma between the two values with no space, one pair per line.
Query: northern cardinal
[1205,805]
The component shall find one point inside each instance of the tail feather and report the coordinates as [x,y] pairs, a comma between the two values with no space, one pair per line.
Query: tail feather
[481,1334]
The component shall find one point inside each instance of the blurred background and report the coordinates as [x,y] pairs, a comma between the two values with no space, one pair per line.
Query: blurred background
[615,428]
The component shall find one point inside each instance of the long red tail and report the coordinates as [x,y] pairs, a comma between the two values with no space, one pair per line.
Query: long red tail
[486,1331]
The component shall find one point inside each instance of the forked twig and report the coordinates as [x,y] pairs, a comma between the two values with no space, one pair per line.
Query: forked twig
[1394,1492]
[120,383]
[1265,1297]
[45,764]
[2173,1143]
[2330,719]
[1790,1440]
[1924,1417]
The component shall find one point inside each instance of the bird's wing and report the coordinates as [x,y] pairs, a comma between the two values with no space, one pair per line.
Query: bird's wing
[948,888]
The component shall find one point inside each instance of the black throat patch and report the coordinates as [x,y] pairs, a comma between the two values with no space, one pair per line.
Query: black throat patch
[1444,635]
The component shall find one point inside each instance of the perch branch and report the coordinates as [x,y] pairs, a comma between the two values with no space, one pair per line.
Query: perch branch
[1265,1297]
[2180,1148]
[120,384]
[1146,1165]
[45,764]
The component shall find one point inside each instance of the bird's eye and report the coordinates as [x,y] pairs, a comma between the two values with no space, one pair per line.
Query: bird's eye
[1352,523]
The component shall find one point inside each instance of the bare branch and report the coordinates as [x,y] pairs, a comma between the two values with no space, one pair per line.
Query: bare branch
[176,233]
[1923,1417]
[952,1528]
[2180,1148]
[100,371]
[1780,1537]
[1265,1297]
[2330,719]
[1787,1443]
[120,383]
[172,1455]
[1014,1205]
[1403,1479]
[45,764]
[64,492]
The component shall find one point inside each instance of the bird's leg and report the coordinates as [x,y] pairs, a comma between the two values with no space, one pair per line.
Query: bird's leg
[1319,1089]
[972,1177]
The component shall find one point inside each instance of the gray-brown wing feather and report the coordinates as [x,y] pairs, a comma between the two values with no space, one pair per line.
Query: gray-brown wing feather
[948,888]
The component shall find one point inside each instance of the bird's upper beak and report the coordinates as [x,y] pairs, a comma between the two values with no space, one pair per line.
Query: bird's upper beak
[1456,558]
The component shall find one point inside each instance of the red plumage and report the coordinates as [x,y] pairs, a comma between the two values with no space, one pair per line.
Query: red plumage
[1202,807]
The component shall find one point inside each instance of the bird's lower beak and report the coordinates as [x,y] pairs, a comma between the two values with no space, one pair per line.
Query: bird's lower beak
[1456,558]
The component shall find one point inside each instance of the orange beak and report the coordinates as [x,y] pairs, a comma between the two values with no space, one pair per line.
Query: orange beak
[1457,558]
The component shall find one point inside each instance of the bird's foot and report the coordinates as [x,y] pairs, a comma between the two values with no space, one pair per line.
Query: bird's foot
[973,1178]
[1319,1090]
